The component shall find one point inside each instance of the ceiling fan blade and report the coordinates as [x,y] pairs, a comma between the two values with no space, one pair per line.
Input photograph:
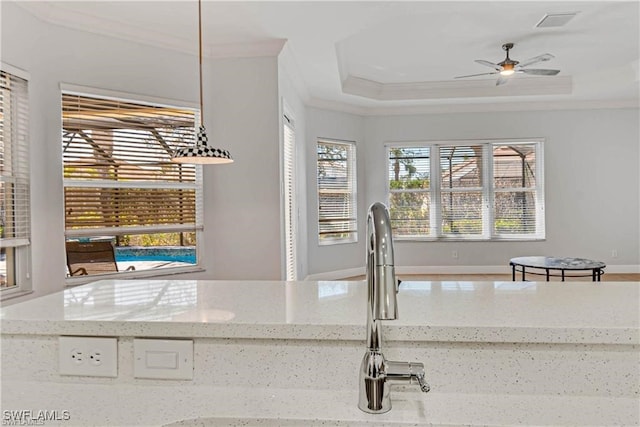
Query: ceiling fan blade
[539,72]
[501,80]
[539,58]
[489,64]
[474,75]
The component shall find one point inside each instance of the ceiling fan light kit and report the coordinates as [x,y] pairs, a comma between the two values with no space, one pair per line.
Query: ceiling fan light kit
[508,66]
[507,70]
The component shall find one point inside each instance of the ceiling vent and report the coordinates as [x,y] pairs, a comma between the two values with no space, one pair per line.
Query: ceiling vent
[555,19]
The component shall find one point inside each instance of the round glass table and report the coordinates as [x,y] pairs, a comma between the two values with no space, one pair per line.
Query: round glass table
[552,264]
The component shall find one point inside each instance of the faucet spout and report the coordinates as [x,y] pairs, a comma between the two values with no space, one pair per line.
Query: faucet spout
[377,373]
[382,303]
[381,274]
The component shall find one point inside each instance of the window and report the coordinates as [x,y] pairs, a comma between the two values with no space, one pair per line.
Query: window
[337,198]
[485,190]
[15,230]
[410,191]
[461,190]
[290,210]
[517,190]
[120,185]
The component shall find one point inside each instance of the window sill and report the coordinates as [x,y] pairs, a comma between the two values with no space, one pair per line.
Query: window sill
[81,280]
[10,294]
[337,242]
[466,239]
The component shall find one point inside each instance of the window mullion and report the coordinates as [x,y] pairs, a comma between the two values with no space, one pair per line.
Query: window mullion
[540,210]
[436,194]
[488,195]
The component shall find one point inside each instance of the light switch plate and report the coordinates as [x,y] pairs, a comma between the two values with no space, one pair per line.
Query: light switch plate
[163,359]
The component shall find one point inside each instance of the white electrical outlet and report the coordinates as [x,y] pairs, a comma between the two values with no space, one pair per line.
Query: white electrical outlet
[88,356]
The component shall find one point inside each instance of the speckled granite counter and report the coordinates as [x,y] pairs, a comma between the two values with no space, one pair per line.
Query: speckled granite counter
[429,311]
[176,406]
[288,353]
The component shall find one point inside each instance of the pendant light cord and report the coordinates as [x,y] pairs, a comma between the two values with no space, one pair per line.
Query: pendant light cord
[200,59]
[200,153]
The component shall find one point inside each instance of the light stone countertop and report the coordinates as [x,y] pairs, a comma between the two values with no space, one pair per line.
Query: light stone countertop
[570,312]
[157,405]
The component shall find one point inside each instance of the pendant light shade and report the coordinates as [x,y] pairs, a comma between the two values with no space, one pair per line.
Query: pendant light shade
[201,153]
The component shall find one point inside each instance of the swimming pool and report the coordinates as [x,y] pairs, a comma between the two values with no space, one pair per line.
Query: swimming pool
[165,253]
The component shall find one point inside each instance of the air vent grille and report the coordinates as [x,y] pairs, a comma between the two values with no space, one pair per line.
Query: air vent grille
[555,19]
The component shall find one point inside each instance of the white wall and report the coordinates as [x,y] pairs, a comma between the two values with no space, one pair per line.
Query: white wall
[592,181]
[242,201]
[347,127]
[591,158]
[290,97]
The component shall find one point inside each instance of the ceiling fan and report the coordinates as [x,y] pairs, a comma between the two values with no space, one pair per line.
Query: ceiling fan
[508,67]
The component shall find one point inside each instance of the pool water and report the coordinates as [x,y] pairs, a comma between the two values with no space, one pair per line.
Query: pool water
[168,253]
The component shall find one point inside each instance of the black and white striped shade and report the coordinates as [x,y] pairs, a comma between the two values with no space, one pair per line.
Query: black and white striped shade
[201,153]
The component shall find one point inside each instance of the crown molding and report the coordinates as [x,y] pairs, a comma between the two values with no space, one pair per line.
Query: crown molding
[561,85]
[474,108]
[74,20]
[402,93]
[342,107]
[265,48]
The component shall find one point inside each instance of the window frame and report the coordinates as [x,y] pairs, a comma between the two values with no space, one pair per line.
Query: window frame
[199,187]
[21,249]
[488,191]
[353,180]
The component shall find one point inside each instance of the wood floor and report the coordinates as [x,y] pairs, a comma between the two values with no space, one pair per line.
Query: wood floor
[607,277]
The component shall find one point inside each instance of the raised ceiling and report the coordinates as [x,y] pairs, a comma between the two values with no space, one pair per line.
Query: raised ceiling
[382,56]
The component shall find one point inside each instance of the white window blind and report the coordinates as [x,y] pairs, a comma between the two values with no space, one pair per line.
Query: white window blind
[14,162]
[481,190]
[289,199]
[461,185]
[410,190]
[337,198]
[118,177]
[518,203]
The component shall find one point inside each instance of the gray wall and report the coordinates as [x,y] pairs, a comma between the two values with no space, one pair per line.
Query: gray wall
[290,97]
[346,127]
[591,159]
[592,185]
[242,200]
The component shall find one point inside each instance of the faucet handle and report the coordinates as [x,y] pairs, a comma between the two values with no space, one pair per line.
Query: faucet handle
[422,382]
[412,372]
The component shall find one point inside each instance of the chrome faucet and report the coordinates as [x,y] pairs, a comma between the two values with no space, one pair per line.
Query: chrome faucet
[376,373]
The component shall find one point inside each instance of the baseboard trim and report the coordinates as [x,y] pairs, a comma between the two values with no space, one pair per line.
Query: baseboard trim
[452,269]
[338,274]
[622,269]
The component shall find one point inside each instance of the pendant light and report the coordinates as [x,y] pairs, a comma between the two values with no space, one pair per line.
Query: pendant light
[201,153]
